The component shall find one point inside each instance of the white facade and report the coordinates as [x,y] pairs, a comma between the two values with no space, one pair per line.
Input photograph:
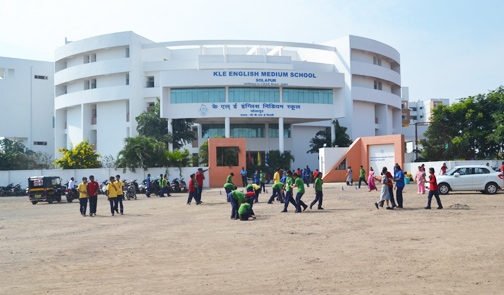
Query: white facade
[421,110]
[252,89]
[27,100]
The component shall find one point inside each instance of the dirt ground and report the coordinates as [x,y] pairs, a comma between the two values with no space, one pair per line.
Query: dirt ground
[161,245]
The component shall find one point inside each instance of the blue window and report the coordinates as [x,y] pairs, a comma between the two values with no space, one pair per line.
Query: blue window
[254,95]
[197,95]
[248,130]
[273,130]
[212,130]
[292,95]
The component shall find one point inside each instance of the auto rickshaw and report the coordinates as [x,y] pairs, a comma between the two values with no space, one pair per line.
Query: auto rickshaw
[44,189]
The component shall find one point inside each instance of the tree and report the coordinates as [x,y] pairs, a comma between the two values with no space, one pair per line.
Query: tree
[470,129]
[15,156]
[142,152]
[324,137]
[81,157]
[146,152]
[276,160]
[150,124]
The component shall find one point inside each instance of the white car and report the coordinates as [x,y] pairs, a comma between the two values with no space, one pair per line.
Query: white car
[469,178]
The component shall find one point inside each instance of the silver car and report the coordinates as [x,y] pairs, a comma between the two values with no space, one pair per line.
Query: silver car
[470,178]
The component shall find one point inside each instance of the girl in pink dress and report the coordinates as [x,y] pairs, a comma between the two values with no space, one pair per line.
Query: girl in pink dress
[371,180]
[420,179]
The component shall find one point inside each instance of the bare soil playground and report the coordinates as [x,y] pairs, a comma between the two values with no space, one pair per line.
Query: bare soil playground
[163,246]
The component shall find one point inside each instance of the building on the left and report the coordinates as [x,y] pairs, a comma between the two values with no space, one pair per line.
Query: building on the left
[27,103]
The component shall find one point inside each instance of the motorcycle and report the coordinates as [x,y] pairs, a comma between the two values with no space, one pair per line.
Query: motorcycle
[129,190]
[16,190]
[183,185]
[70,194]
[6,190]
[175,186]
[103,187]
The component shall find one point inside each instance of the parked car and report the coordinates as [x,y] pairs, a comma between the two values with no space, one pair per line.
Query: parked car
[470,178]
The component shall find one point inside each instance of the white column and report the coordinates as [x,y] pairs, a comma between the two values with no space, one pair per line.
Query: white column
[281,135]
[170,130]
[333,131]
[227,127]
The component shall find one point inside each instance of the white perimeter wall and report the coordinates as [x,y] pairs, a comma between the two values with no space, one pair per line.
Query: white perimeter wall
[329,157]
[100,174]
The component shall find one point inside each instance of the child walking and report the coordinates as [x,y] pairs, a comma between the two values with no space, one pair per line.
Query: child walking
[384,195]
[318,192]
[433,190]
[420,179]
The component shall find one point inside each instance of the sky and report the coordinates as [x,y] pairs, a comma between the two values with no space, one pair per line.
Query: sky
[449,49]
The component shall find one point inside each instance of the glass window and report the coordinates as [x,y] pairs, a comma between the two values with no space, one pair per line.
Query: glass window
[481,171]
[212,130]
[197,95]
[254,95]
[323,96]
[248,130]
[273,131]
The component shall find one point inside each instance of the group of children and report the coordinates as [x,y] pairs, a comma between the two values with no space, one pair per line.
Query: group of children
[242,203]
[386,194]
[89,191]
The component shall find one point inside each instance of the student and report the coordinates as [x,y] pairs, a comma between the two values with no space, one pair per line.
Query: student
[245,211]
[257,177]
[276,176]
[112,195]
[298,182]
[148,185]
[305,177]
[167,186]
[83,197]
[256,189]
[229,178]
[120,196]
[390,179]
[243,174]
[262,180]
[420,179]
[229,187]
[433,190]
[362,176]
[193,190]
[399,180]
[315,173]
[349,180]
[384,195]
[318,192]
[371,180]
[308,173]
[92,189]
[288,191]
[236,198]
[444,168]
[277,188]
[199,181]
[162,185]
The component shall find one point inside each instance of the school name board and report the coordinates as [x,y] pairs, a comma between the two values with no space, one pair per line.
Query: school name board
[270,78]
[250,109]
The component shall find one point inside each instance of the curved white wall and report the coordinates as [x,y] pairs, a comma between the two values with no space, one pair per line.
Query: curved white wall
[346,65]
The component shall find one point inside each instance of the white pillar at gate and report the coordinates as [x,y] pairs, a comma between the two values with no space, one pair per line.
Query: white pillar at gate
[333,131]
[281,135]
[170,130]
[227,128]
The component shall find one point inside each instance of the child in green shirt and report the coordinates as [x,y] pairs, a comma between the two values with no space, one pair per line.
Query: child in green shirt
[318,192]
